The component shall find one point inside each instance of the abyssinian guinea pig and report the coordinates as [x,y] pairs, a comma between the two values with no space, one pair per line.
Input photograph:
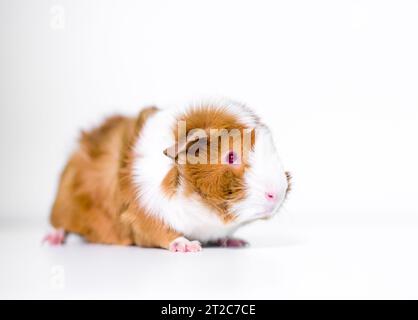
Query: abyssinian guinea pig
[174,179]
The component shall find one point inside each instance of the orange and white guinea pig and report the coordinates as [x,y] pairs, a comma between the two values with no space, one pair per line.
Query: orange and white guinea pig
[125,184]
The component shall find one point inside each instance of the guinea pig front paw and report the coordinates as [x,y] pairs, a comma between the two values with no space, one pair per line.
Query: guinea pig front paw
[181,244]
[229,243]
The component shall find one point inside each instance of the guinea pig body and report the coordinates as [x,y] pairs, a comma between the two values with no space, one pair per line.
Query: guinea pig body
[131,180]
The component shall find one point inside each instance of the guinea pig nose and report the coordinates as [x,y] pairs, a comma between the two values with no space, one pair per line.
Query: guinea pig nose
[271,196]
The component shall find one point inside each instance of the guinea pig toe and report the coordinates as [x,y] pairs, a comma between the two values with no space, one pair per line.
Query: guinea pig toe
[194,246]
[236,243]
[232,243]
[181,244]
[55,237]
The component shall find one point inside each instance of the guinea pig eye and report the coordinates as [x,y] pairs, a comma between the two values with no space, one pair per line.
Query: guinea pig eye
[232,157]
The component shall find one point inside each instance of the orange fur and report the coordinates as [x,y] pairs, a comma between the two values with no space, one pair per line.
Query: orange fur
[171,182]
[96,197]
[219,185]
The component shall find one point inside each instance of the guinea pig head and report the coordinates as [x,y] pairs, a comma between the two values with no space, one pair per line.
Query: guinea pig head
[230,164]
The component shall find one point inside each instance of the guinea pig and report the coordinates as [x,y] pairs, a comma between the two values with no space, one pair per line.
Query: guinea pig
[176,179]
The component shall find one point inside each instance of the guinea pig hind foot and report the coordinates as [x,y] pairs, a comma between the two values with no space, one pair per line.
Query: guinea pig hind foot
[55,237]
[182,244]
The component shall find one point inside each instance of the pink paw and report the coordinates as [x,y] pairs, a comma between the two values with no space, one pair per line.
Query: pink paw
[55,238]
[183,245]
[231,243]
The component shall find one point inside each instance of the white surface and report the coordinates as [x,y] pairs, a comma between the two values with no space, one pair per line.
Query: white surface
[353,263]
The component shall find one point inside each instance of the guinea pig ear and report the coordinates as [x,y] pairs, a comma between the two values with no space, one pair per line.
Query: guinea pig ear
[180,147]
[174,151]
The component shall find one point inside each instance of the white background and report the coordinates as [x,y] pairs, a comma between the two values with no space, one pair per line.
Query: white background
[337,82]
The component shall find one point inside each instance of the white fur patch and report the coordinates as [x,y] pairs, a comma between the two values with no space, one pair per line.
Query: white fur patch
[266,174]
[240,111]
[187,215]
